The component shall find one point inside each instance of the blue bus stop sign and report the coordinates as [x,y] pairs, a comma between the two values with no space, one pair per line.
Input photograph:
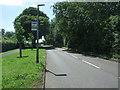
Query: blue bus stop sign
[34,25]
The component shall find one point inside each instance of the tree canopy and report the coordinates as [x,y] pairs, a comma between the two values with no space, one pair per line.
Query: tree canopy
[88,26]
[22,23]
[2,31]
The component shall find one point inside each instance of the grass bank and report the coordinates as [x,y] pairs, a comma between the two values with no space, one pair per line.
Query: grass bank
[23,72]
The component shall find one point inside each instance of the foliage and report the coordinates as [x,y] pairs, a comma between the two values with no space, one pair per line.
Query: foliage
[2,31]
[22,72]
[9,35]
[8,45]
[24,21]
[8,40]
[89,26]
[54,37]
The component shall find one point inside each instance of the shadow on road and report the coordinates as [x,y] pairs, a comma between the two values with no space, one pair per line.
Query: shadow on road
[90,54]
[47,48]
[55,74]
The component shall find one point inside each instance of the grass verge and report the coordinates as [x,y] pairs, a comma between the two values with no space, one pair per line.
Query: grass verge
[23,72]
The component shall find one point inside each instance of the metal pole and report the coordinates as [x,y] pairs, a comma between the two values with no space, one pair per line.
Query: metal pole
[37,45]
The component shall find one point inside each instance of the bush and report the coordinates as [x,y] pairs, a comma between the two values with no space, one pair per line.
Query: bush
[8,45]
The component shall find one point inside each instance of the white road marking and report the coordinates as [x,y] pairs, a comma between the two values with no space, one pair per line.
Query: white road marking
[66,53]
[74,56]
[91,64]
[71,55]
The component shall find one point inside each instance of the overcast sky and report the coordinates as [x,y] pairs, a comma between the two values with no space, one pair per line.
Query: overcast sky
[10,9]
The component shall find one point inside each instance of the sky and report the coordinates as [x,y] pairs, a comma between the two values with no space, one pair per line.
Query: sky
[10,9]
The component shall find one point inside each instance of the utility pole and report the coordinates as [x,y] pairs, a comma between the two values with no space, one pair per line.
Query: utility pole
[38,23]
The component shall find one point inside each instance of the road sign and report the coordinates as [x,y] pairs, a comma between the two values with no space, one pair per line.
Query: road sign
[34,25]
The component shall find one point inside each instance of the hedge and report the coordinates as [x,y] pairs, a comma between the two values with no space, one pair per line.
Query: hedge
[8,45]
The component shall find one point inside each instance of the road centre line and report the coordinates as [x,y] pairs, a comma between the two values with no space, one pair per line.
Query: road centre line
[85,61]
[71,55]
[74,56]
[66,53]
[91,64]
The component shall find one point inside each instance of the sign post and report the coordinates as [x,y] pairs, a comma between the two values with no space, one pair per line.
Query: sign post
[38,23]
[34,26]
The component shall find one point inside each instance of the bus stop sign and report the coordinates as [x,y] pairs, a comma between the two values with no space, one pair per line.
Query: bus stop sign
[34,25]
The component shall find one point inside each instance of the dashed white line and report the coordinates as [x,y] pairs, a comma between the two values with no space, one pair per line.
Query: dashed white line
[73,56]
[84,61]
[66,53]
[91,64]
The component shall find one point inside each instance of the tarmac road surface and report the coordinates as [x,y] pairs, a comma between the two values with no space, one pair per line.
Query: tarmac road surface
[72,70]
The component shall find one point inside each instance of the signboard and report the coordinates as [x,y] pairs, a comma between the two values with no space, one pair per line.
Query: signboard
[34,26]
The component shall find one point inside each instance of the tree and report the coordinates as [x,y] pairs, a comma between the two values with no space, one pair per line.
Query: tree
[19,35]
[54,37]
[88,27]
[114,34]
[30,39]
[26,17]
[2,31]
[9,35]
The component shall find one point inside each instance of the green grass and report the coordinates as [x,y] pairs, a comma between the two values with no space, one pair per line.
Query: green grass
[22,72]
[8,51]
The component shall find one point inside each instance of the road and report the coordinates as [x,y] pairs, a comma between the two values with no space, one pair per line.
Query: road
[72,70]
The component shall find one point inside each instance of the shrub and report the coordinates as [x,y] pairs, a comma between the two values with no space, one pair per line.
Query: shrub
[8,45]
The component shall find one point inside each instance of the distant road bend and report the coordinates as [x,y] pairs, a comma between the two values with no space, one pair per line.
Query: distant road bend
[72,70]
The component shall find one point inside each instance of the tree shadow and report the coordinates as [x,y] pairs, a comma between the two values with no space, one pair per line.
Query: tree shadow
[47,47]
[23,56]
[90,54]
[54,73]
[71,51]
[40,47]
